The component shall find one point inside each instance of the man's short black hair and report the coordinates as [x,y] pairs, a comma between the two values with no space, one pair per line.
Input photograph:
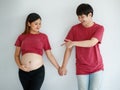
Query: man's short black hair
[84,9]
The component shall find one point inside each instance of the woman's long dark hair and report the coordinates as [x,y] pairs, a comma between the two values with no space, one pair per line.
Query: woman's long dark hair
[30,18]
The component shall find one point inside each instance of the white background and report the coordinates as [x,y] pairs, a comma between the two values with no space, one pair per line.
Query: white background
[57,18]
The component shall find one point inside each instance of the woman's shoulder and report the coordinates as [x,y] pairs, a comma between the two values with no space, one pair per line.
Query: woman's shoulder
[21,36]
[43,34]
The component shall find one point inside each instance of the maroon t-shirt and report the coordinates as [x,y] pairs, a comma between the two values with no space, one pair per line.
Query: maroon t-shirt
[33,43]
[88,59]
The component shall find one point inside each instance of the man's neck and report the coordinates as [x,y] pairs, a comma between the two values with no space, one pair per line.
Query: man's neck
[89,24]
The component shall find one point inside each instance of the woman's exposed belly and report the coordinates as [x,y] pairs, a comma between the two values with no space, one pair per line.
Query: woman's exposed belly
[31,61]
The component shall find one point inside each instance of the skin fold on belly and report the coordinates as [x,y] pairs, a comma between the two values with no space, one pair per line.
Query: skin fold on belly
[31,61]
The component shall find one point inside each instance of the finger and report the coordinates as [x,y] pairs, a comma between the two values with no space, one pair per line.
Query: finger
[60,72]
[65,73]
[63,44]
[67,40]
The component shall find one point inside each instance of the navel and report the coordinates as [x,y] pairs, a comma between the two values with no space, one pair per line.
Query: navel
[29,61]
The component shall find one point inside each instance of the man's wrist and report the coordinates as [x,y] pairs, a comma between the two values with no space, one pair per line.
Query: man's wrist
[74,43]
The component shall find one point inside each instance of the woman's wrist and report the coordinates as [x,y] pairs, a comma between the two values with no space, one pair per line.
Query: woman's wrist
[58,67]
[20,66]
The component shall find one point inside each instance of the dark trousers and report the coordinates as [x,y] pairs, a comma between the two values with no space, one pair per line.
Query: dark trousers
[32,80]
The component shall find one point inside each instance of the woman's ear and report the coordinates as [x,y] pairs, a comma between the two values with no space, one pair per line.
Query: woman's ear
[28,24]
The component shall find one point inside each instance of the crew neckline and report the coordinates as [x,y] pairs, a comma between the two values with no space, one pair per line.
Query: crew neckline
[34,34]
[90,26]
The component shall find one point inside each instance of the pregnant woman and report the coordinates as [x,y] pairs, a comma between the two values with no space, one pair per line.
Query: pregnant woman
[29,51]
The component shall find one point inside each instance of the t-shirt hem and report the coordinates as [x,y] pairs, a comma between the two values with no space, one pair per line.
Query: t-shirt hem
[86,73]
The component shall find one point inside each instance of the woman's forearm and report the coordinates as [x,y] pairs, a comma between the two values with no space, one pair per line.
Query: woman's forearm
[17,60]
[52,59]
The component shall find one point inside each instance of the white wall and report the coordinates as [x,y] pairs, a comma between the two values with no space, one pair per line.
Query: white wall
[57,18]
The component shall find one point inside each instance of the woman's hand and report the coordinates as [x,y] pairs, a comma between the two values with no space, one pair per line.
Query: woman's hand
[24,68]
[62,71]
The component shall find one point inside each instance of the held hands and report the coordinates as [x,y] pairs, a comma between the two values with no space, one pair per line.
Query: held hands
[62,71]
[68,43]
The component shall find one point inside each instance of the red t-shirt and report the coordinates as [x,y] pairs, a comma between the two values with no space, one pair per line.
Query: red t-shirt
[33,43]
[88,59]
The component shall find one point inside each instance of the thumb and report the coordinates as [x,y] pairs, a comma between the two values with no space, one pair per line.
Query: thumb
[67,40]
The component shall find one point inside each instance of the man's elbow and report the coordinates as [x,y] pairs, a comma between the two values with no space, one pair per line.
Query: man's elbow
[91,45]
[93,42]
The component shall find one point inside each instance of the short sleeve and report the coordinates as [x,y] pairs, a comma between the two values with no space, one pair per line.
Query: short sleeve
[70,35]
[46,44]
[18,41]
[99,33]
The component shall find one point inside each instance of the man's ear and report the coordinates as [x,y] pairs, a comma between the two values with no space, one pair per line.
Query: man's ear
[90,14]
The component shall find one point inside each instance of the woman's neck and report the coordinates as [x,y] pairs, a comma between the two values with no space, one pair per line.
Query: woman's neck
[34,32]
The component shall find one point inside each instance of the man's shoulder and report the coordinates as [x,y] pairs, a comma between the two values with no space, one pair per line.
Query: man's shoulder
[99,25]
[76,25]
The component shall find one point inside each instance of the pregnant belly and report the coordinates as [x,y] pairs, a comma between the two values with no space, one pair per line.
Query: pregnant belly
[31,61]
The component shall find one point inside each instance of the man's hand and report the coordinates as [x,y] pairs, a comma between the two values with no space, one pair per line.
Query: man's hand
[68,43]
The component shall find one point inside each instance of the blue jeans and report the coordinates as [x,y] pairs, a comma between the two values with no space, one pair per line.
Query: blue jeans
[91,81]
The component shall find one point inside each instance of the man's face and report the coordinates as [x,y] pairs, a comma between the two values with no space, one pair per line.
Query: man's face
[85,19]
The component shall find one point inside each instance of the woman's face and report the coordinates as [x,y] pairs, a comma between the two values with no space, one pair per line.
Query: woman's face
[35,26]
